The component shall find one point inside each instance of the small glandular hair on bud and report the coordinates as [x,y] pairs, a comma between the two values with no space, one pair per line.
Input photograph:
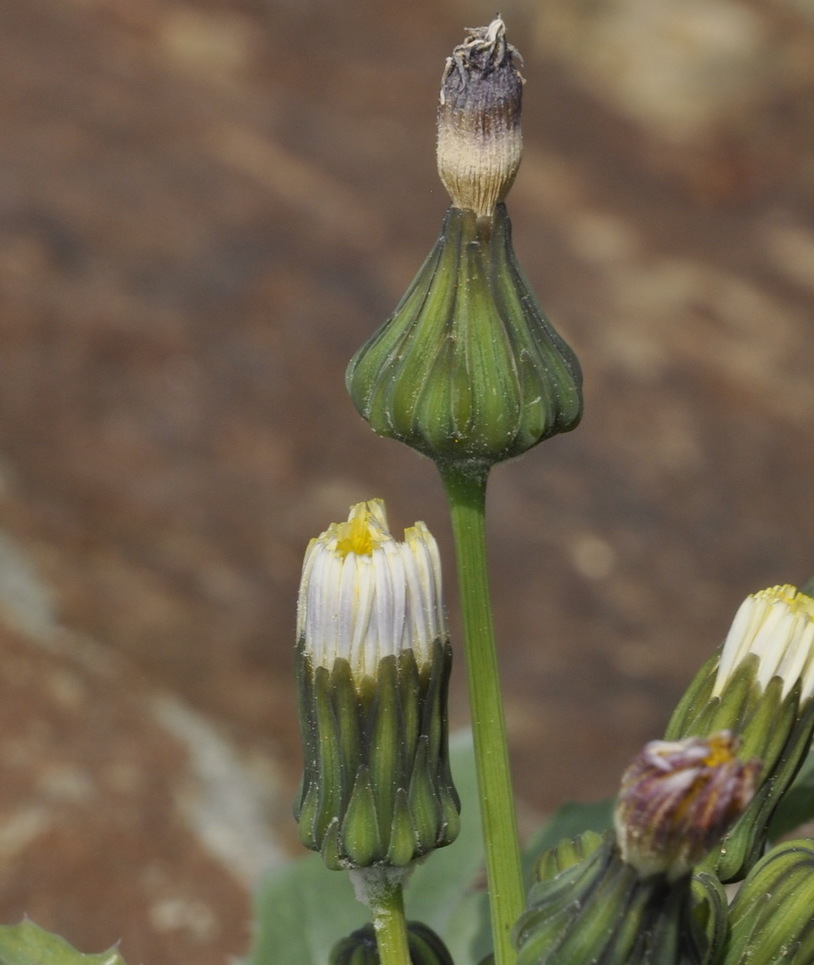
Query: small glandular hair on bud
[479,138]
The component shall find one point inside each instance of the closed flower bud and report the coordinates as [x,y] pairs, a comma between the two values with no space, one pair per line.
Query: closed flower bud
[468,370]
[772,916]
[373,663]
[599,909]
[360,948]
[759,685]
[479,138]
[677,800]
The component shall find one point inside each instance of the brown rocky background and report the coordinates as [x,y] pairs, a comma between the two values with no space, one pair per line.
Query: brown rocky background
[204,208]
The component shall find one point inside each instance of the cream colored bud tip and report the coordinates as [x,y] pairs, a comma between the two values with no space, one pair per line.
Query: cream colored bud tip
[479,138]
[777,626]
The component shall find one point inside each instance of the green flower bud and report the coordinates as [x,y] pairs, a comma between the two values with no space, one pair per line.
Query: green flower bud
[468,370]
[601,910]
[759,685]
[360,948]
[677,800]
[373,662]
[771,918]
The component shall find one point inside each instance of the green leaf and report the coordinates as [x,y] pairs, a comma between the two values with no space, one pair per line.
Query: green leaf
[303,909]
[28,944]
[796,807]
[568,821]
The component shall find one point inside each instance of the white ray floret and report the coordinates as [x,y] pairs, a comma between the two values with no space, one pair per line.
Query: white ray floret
[777,625]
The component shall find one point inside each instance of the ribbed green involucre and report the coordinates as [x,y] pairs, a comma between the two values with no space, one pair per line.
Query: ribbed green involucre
[771,918]
[377,787]
[468,370]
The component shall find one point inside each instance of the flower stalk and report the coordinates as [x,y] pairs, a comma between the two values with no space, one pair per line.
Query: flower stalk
[466,495]
[383,893]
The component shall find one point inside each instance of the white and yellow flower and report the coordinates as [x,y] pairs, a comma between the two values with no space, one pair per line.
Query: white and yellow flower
[373,664]
[364,595]
[777,626]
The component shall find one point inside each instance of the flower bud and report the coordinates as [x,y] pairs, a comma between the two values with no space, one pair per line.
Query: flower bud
[360,947]
[759,685]
[600,909]
[373,663]
[771,916]
[468,370]
[677,800]
[479,137]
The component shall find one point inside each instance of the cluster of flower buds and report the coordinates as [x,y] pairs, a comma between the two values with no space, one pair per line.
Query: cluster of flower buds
[692,812]
[373,664]
[628,898]
[468,370]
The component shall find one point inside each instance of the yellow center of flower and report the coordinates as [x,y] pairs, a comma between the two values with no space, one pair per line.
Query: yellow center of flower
[364,530]
[798,603]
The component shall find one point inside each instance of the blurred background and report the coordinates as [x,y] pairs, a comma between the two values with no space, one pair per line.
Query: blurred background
[205,207]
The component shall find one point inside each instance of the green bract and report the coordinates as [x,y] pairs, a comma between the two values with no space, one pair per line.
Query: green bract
[468,370]
[771,918]
[377,788]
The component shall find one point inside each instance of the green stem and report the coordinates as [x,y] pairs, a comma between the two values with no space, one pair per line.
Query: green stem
[466,494]
[387,907]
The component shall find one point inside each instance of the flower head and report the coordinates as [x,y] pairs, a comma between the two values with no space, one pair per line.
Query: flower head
[364,595]
[373,664]
[678,799]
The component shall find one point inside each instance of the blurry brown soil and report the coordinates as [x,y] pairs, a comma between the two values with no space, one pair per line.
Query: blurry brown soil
[205,207]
